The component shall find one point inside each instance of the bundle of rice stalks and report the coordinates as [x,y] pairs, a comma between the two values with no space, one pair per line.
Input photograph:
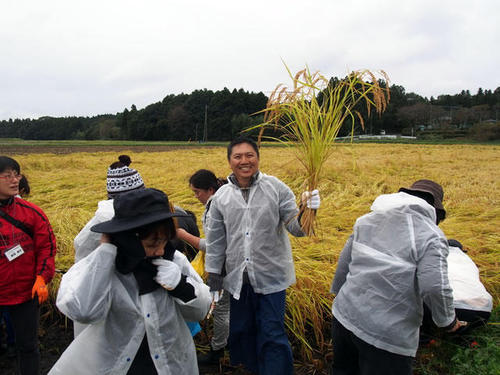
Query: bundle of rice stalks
[310,115]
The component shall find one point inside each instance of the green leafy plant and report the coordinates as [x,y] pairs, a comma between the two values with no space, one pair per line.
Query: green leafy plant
[477,352]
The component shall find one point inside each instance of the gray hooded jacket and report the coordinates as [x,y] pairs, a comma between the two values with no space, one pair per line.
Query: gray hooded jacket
[394,261]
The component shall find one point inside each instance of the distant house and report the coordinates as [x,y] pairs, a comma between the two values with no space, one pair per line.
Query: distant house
[423,127]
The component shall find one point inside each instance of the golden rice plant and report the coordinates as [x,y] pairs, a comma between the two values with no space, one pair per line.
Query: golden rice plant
[310,114]
[68,187]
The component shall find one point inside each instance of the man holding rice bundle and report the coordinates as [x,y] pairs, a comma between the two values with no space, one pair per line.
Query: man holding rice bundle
[394,261]
[247,234]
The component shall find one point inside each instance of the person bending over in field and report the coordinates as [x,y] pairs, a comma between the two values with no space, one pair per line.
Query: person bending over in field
[204,184]
[135,292]
[247,237]
[393,262]
[27,253]
[471,300]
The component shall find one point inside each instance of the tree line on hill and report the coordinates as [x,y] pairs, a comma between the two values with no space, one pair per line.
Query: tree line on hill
[205,115]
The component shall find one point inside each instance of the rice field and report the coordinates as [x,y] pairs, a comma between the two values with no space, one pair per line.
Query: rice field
[68,187]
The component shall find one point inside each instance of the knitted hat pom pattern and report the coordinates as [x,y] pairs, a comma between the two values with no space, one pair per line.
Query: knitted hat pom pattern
[122,178]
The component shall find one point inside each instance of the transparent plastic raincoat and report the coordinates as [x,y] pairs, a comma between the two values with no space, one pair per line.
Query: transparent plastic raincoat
[468,291]
[87,241]
[252,235]
[394,261]
[93,292]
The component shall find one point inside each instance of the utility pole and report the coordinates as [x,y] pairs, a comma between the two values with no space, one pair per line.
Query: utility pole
[205,125]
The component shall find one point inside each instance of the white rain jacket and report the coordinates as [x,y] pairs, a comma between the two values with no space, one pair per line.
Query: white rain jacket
[394,261]
[253,236]
[203,242]
[468,291]
[93,292]
[87,241]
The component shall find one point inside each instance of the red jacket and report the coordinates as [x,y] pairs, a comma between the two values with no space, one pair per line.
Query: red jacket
[18,276]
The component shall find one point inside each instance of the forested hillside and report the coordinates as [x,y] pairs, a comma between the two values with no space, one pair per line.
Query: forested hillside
[219,116]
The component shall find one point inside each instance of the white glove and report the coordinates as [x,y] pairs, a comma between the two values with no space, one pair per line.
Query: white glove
[217,295]
[169,273]
[312,199]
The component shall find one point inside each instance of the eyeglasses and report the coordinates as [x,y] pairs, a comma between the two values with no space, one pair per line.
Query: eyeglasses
[11,176]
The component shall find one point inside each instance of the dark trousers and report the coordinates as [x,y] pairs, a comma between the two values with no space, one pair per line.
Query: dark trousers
[5,316]
[353,356]
[25,317]
[257,337]
[143,363]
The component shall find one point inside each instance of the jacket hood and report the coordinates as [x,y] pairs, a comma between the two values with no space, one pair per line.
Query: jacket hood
[106,206]
[403,202]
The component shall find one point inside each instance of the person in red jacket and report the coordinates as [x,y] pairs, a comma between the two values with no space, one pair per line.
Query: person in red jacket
[27,252]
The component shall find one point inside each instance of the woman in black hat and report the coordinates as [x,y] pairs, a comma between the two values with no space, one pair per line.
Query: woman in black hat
[135,292]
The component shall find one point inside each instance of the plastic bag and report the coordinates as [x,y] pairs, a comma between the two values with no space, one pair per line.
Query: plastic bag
[198,263]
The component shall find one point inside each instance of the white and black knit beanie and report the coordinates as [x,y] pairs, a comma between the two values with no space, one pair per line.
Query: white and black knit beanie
[121,178]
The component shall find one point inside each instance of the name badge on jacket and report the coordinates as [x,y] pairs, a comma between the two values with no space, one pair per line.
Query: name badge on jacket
[14,252]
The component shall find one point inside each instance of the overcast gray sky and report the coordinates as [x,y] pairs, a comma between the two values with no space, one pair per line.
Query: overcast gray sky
[82,58]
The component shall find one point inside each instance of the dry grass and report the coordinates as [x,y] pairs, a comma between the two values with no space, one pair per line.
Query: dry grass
[310,114]
[68,187]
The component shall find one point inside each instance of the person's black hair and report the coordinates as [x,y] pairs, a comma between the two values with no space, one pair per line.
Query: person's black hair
[24,187]
[123,161]
[167,226]
[7,163]
[188,223]
[455,243]
[205,179]
[429,198]
[240,140]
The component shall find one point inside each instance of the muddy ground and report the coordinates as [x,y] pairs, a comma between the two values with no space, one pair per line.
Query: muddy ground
[55,336]
[17,150]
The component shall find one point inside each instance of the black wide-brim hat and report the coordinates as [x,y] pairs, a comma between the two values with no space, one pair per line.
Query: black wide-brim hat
[429,187]
[135,209]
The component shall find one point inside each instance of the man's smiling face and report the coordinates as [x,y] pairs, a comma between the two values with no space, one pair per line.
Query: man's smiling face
[244,163]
